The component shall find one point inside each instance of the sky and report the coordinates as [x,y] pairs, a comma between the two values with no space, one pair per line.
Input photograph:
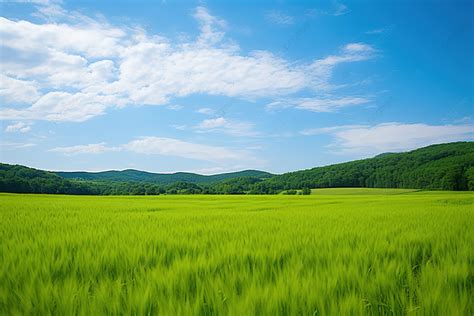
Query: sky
[214,86]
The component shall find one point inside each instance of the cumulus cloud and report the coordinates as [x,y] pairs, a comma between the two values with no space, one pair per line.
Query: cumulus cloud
[73,67]
[20,127]
[64,106]
[17,91]
[392,137]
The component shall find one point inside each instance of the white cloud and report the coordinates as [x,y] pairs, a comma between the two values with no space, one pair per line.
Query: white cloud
[279,17]
[10,145]
[329,130]
[318,105]
[178,148]
[18,127]
[392,137]
[209,26]
[213,123]
[329,105]
[206,111]
[151,145]
[175,107]
[39,2]
[78,68]
[221,124]
[17,91]
[84,149]
[179,127]
[352,52]
[358,47]
[64,106]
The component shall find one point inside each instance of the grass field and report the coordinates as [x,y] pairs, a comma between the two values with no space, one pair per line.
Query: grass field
[342,252]
[361,191]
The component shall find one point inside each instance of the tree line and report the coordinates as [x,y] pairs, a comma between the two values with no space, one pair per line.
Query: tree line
[437,167]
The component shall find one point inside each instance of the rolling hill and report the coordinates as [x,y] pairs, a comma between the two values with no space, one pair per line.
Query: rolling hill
[161,178]
[438,167]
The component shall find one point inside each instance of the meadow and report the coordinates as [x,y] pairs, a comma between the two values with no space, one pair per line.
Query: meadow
[333,252]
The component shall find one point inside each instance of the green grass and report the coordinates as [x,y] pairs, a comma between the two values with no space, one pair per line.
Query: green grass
[239,255]
[361,191]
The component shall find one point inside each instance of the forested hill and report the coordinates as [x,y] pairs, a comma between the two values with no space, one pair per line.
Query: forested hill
[160,178]
[21,179]
[437,167]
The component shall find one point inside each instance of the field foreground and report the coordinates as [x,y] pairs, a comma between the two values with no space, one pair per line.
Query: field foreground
[328,253]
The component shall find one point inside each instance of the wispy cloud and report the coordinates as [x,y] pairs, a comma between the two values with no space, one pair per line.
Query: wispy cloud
[222,125]
[39,2]
[327,104]
[206,111]
[375,31]
[279,17]
[152,145]
[391,137]
[210,26]
[178,148]
[329,130]
[85,149]
[350,53]
[230,127]
[79,68]
[13,145]
[341,9]
[20,127]
[175,107]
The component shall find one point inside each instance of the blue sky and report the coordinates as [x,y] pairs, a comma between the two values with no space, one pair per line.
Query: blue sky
[213,86]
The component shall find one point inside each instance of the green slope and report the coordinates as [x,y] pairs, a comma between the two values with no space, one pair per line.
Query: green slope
[21,179]
[437,167]
[160,178]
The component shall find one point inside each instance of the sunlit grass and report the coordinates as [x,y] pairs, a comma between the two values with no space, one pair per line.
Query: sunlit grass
[238,255]
[361,191]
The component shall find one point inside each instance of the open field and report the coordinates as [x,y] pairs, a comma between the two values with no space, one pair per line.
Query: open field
[331,253]
[361,191]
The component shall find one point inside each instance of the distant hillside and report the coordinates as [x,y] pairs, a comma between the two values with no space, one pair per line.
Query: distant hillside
[437,167]
[161,178]
[21,179]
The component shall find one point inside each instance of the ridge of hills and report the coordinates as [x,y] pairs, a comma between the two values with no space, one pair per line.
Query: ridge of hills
[447,166]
